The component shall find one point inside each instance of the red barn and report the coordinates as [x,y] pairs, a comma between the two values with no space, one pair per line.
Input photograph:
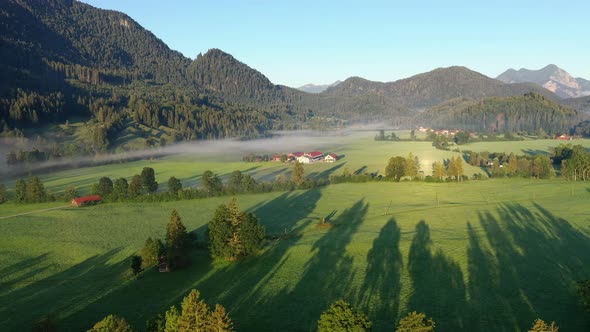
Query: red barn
[81,201]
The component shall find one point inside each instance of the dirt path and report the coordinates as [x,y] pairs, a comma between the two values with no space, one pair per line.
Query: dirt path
[30,212]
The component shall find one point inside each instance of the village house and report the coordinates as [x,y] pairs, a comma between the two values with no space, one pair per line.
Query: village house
[564,137]
[81,201]
[331,157]
[311,157]
[275,157]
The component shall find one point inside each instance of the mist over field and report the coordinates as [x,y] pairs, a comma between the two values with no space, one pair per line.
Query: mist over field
[233,149]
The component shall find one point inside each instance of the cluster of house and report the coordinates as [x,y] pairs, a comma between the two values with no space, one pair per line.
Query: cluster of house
[564,137]
[307,158]
[446,132]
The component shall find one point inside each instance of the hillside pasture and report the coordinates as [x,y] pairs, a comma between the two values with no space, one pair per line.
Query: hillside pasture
[477,256]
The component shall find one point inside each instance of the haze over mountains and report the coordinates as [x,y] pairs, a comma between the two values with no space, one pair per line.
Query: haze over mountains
[551,78]
[64,59]
[312,88]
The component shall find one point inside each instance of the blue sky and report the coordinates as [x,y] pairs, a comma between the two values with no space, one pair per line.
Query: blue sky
[298,42]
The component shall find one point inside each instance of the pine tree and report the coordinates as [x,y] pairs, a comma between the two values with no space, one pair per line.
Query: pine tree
[112,323]
[342,317]
[233,233]
[105,186]
[20,191]
[298,174]
[148,180]
[220,231]
[540,326]
[151,251]
[35,190]
[172,316]
[120,188]
[195,313]
[219,320]
[174,186]
[134,188]
[415,322]
[2,193]
[177,241]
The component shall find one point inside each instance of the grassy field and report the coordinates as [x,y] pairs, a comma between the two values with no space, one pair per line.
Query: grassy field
[359,152]
[480,256]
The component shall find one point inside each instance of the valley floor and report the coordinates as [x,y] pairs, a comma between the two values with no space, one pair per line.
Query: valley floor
[488,255]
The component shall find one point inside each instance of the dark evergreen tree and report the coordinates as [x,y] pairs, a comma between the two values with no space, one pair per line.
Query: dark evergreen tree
[134,188]
[148,180]
[211,183]
[120,188]
[151,251]
[177,242]
[174,186]
[20,191]
[298,173]
[35,190]
[234,234]
[3,197]
[105,186]
[136,263]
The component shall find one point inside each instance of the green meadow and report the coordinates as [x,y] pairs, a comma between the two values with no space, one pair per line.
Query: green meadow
[488,255]
[483,255]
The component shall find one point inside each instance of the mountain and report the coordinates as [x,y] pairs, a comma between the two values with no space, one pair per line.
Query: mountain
[528,113]
[428,89]
[39,36]
[580,103]
[312,88]
[550,77]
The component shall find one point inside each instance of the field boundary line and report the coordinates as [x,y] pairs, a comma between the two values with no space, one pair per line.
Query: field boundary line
[31,212]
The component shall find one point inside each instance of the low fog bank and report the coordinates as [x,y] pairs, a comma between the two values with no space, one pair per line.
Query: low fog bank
[233,149]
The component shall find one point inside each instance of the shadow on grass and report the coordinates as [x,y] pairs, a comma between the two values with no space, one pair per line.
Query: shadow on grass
[439,290]
[60,294]
[380,292]
[238,286]
[326,277]
[537,152]
[528,271]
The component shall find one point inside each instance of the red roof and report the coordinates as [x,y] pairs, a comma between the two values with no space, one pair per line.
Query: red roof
[276,156]
[333,155]
[93,198]
[315,154]
[297,154]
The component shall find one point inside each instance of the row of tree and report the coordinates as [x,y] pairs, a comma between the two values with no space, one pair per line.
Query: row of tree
[343,317]
[511,165]
[194,315]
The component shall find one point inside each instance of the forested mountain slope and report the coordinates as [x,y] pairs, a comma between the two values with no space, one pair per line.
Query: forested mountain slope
[528,113]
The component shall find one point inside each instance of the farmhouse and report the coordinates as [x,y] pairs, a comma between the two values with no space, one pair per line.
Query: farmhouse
[331,157]
[563,137]
[275,157]
[81,201]
[316,155]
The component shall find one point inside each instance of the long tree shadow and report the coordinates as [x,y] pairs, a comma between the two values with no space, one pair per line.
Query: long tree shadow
[328,276]
[62,293]
[235,285]
[256,291]
[529,272]
[437,281]
[380,291]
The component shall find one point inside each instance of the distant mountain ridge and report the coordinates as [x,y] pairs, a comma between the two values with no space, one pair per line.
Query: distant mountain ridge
[434,87]
[312,88]
[552,78]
